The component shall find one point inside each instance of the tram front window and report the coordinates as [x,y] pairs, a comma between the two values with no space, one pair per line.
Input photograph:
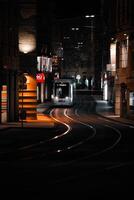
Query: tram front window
[62,90]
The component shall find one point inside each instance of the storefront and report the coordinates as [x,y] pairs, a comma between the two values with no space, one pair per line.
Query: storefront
[8,96]
[27,97]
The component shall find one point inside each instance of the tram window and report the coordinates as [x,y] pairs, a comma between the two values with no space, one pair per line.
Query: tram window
[62,90]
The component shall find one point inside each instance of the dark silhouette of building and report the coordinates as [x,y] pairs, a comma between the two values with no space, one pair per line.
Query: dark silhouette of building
[121,27]
[83,47]
[17,31]
[9,60]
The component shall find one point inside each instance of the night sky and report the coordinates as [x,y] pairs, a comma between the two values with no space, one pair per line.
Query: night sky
[67,8]
[70,8]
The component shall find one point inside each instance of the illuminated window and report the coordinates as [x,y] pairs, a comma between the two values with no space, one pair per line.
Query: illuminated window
[123,54]
[113,53]
[4,103]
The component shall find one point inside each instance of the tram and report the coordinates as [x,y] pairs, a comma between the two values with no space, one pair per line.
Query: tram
[62,94]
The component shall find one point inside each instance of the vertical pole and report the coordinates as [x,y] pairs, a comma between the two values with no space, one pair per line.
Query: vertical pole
[92,50]
[22,124]
[0,103]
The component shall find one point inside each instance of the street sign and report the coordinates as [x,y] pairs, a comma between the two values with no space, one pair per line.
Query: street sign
[40,78]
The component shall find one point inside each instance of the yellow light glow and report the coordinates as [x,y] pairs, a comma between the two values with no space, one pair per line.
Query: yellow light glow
[41,118]
[27,42]
[113,53]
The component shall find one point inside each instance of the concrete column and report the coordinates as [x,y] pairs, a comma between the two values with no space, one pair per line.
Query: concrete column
[12,96]
[128,106]
[117,100]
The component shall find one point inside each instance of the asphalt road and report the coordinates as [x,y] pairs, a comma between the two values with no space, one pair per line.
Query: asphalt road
[84,155]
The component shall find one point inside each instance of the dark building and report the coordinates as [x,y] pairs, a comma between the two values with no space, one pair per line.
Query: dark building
[82,42]
[124,84]
[79,42]
[27,35]
[9,60]
[45,14]
[27,58]
[121,48]
[17,52]
[74,38]
[44,27]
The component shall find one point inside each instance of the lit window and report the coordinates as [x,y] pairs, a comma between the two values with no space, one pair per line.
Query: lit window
[123,54]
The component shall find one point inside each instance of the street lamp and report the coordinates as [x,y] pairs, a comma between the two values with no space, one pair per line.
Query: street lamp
[27,42]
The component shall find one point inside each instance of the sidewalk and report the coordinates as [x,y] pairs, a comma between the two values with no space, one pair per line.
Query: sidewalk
[43,120]
[105,110]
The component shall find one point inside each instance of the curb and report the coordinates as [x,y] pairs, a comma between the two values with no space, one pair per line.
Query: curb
[116,120]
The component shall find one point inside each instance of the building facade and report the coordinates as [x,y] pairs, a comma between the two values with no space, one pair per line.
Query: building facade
[124,83]
[80,41]
[122,62]
[27,34]
[9,61]
[17,53]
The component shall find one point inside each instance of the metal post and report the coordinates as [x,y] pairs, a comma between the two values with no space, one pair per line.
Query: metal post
[92,48]
[0,103]
[22,124]
[21,90]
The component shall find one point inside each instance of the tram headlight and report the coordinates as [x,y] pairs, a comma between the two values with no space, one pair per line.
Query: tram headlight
[56,98]
[67,98]
[52,96]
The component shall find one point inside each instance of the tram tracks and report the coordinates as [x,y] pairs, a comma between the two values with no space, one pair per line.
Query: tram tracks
[66,146]
[119,128]
[45,149]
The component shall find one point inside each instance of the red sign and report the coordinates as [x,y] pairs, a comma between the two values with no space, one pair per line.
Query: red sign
[40,78]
